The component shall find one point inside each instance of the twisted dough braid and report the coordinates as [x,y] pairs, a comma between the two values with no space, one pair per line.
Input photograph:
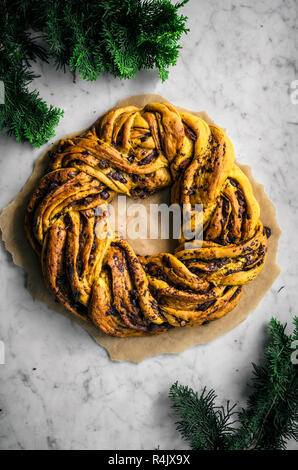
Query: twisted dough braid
[137,152]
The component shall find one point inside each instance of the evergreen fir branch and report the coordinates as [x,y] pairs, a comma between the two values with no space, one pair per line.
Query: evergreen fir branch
[271,415]
[114,36]
[56,33]
[204,425]
[119,37]
[270,418]
[24,114]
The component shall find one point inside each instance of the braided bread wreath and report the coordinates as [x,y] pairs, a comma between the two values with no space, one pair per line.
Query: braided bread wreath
[136,152]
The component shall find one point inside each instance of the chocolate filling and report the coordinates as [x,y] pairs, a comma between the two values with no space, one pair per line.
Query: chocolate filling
[115,175]
[147,159]
[141,193]
[104,194]
[190,133]
[103,164]
[203,307]
[185,163]
[267,232]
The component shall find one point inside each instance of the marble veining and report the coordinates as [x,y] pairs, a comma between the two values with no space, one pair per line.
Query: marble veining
[59,390]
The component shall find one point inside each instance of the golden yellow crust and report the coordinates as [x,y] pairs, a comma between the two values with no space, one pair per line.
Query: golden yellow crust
[137,152]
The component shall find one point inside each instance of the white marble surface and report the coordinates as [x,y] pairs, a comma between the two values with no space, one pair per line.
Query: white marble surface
[59,390]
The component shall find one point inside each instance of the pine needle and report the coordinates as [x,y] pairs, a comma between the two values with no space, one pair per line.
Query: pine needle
[270,418]
[119,37]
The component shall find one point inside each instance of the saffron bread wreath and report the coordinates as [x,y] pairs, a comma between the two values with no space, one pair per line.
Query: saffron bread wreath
[136,152]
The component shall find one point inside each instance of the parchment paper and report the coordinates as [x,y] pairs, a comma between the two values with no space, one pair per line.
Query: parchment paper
[176,340]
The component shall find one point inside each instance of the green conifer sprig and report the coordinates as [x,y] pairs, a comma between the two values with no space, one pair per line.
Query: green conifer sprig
[270,418]
[24,114]
[119,37]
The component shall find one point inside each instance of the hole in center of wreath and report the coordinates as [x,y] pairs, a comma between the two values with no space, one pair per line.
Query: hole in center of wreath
[149,225]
